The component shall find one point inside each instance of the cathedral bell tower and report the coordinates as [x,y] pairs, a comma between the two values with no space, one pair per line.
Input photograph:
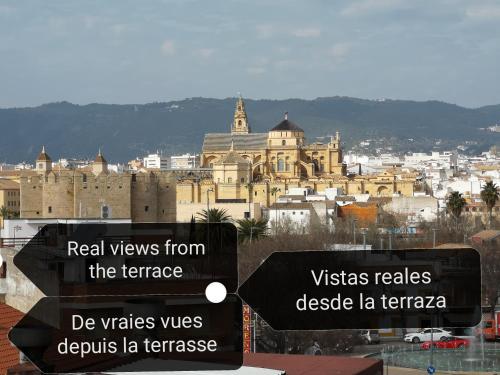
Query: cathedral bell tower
[240,121]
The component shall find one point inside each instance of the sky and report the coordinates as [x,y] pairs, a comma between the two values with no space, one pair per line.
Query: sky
[124,51]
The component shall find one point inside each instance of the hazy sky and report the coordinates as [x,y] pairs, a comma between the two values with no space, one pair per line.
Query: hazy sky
[121,51]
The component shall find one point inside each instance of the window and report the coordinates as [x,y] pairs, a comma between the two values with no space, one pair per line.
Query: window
[146,208]
[281,165]
[50,209]
[283,142]
[84,178]
[242,180]
[229,180]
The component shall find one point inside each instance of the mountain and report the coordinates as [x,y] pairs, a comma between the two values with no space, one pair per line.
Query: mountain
[126,131]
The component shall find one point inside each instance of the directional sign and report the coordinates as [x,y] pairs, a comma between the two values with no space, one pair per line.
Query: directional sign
[130,259]
[318,290]
[131,333]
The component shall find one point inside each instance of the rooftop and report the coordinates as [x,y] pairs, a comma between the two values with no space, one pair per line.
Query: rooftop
[9,355]
[287,125]
[8,184]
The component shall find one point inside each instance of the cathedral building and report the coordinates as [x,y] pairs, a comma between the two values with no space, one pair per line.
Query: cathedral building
[256,168]
[279,155]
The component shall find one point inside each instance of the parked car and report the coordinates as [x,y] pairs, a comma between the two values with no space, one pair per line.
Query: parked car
[370,336]
[425,335]
[449,342]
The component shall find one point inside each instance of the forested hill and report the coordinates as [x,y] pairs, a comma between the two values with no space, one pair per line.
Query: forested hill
[127,131]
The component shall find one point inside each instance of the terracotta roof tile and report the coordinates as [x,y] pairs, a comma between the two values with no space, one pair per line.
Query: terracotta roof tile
[9,355]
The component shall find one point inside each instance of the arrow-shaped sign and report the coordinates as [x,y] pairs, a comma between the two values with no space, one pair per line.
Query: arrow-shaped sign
[131,333]
[120,259]
[319,290]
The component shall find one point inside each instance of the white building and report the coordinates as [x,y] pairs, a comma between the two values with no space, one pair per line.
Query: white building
[186,161]
[156,161]
[297,217]
[415,209]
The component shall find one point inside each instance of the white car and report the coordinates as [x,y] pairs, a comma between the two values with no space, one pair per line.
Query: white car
[425,335]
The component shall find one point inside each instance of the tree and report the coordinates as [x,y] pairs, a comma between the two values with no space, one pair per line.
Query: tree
[214,215]
[455,204]
[251,229]
[490,196]
[4,212]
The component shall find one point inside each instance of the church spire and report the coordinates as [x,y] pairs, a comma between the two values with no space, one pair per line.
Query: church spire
[240,121]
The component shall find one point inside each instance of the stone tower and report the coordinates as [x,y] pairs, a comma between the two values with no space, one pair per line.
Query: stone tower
[240,121]
[43,162]
[100,165]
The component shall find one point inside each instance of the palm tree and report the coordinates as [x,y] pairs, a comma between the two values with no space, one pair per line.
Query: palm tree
[251,229]
[214,215]
[455,204]
[4,212]
[490,196]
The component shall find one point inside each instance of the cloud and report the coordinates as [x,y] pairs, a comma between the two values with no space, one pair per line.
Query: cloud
[118,29]
[339,51]
[89,22]
[205,52]
[367,7]
[168,47]
[264,31]
[6,9]
[483,12]
[311,32]
[256,70]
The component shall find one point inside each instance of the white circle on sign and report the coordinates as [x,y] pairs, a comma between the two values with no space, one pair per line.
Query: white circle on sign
[216,292]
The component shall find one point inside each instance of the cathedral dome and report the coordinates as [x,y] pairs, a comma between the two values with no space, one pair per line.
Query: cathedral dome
[287,125]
